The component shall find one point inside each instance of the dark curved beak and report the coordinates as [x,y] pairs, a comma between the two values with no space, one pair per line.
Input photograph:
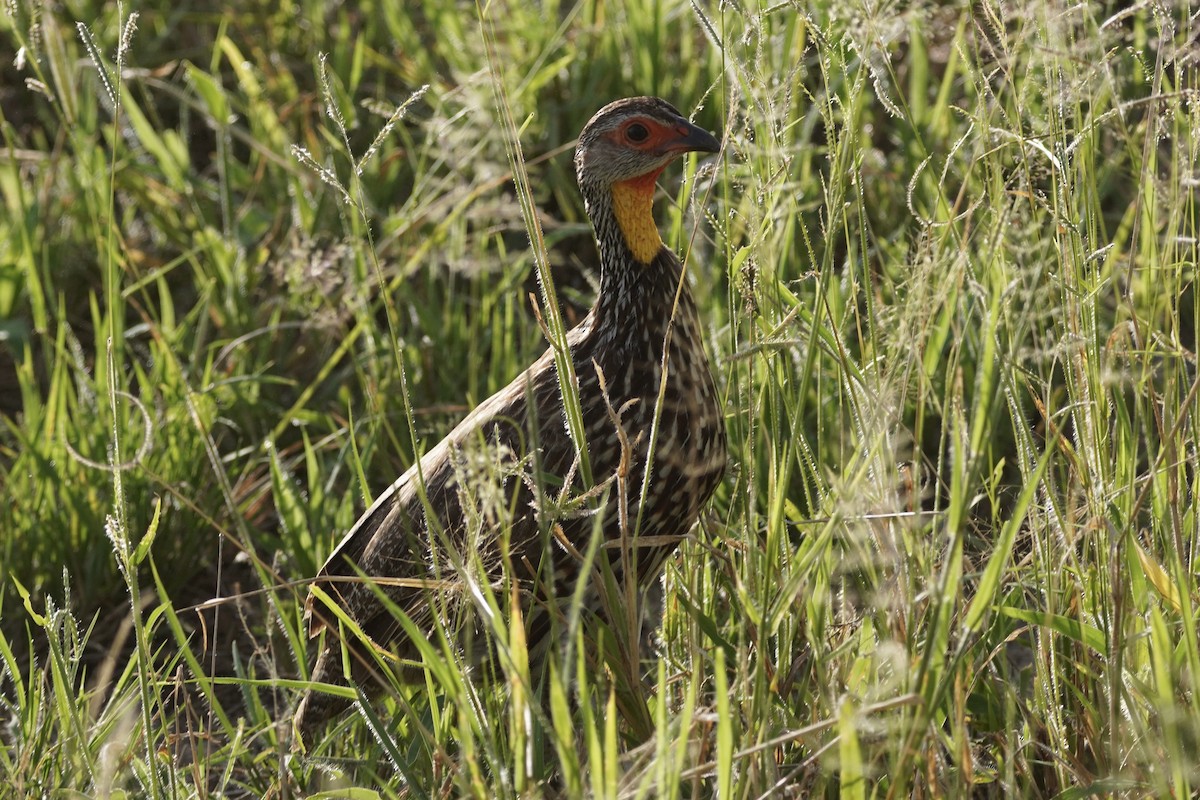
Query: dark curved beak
[693,138]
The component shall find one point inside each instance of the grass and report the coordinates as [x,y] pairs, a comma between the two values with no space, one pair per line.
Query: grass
[251,264]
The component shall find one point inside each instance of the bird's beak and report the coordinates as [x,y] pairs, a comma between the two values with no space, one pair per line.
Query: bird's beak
[693,138]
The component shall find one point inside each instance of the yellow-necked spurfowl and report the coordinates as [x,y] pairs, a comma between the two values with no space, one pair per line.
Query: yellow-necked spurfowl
[643,322]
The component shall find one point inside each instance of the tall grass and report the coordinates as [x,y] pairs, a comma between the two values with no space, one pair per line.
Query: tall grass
[250,269]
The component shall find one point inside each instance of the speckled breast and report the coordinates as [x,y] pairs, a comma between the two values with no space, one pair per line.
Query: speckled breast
[682,435]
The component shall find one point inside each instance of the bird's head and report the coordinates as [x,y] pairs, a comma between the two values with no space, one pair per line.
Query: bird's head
[622,151]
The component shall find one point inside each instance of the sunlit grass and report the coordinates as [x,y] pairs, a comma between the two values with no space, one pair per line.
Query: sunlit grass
[250,268]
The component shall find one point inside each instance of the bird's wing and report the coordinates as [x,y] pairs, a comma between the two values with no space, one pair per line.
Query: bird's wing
[399,512]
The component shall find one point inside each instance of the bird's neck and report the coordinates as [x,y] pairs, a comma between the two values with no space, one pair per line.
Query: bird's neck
[623,217]
[639,276]
[633,208]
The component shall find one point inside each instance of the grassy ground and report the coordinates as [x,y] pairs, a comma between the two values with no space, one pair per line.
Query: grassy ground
[946,261]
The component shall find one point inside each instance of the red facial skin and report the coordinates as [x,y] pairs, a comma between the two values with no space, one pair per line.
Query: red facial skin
[661,139]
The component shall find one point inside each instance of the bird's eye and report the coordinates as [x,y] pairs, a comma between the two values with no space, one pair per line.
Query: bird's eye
[637,133]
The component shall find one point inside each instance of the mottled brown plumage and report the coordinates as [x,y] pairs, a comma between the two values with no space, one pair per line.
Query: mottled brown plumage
[643,318]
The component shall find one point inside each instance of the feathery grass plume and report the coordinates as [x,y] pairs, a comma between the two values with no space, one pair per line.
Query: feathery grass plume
[332,109]
[27,29]
[93,50]
[395,117]
[126,39]
[327,176]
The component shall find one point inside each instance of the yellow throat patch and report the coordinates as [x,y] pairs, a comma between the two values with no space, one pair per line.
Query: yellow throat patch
[633,205]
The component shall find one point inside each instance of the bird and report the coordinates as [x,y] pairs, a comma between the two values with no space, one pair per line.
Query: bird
[422,529]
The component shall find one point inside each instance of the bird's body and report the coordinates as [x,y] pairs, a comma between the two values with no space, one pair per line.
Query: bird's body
[427,525]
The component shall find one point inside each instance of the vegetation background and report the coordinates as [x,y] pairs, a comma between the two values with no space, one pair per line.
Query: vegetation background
[254,259]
